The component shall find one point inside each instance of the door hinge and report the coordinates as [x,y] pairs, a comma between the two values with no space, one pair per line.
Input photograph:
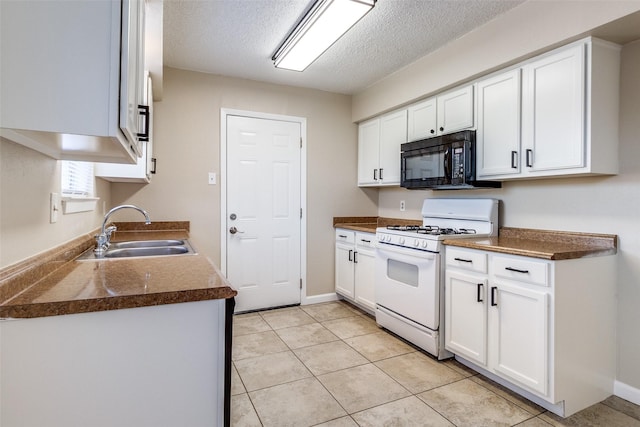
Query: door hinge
[300,142]
[300,213]
[301,283]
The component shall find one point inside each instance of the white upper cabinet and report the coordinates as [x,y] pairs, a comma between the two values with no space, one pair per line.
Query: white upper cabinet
[422,120]
[145,167]
[63,90]
[368,152]
[455,110]
[554,111]
[450,112]
[132,81]
[562,119]
[498,133]
[379,143]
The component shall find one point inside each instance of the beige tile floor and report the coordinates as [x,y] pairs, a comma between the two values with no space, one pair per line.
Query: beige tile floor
[330,365]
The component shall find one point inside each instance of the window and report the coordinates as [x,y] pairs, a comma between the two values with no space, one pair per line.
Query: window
[77,179]
[77,187]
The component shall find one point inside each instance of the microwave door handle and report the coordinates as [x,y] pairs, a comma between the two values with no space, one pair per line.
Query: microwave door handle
[446,164]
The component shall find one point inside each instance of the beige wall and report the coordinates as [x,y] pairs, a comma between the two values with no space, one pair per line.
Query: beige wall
[26,180]
[596,204]
[187,146]
[521,32]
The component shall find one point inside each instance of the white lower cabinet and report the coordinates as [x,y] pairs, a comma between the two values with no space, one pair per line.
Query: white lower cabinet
[355,267]
[518,321]
[128,367]
[534,325]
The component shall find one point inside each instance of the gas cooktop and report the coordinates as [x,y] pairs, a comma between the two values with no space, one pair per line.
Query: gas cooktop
[433,230]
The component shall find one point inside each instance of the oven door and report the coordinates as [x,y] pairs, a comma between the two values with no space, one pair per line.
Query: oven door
[407,283]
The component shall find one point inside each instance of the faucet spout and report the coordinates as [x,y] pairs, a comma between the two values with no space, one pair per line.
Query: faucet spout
[103,239]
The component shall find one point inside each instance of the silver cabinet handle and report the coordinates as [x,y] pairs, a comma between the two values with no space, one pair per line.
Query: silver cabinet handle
[234,230]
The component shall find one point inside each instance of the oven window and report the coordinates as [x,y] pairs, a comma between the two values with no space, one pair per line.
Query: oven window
[426,165]
[402,272]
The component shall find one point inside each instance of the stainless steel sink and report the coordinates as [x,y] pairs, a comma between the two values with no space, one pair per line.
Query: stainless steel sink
[145,244]
[141,248]
[145,251]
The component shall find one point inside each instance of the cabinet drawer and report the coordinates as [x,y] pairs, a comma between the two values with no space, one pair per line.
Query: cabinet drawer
[365,240]
[521,269]
[467,260]
[345,236]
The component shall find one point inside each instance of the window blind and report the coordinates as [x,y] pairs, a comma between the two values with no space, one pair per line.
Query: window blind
[77,179]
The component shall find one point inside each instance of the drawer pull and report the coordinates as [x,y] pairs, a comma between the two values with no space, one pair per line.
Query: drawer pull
[350,254]
[479,296]
[342,236]
[516,270]
[493,296]
[365,240]
[463,260]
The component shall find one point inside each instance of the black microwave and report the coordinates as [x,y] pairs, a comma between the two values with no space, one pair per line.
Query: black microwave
[445,162]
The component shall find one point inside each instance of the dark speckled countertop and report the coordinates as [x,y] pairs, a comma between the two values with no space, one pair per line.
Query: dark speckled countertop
[55,283]
[544,244]
[368,224]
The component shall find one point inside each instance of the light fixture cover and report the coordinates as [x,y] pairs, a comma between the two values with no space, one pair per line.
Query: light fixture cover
[326,22]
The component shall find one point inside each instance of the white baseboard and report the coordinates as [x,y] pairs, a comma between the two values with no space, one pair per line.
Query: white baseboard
[316,299]
[626,392]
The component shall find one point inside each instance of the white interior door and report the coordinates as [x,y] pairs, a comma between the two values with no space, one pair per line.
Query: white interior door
[263,215]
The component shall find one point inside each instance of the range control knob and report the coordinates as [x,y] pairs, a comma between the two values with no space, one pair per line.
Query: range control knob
[424,243]
[401,240]
[416,243]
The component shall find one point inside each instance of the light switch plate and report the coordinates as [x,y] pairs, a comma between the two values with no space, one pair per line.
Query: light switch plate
[54,207]
[212,178]
[402,205]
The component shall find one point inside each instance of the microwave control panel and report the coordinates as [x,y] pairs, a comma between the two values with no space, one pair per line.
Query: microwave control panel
[457,164]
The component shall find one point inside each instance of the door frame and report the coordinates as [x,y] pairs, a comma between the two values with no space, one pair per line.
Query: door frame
[224,113]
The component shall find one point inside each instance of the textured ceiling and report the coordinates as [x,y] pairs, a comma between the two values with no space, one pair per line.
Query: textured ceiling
[238,37]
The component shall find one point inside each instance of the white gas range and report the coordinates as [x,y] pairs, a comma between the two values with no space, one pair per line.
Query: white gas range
[409,267]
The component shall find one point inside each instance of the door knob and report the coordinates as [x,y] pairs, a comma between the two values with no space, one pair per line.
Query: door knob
[234,230]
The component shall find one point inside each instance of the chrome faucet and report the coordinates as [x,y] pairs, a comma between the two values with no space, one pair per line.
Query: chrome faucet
[104,238]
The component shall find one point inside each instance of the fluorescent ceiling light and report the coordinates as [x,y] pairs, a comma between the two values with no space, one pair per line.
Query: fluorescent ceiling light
[325,23]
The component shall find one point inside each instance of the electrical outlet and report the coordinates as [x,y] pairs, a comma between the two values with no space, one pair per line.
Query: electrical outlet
[212,178]
[54,207]
[402,205]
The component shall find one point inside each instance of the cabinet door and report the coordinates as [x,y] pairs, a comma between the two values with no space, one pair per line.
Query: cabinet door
[498,130]
[519,334]
[422,120]
[455,110]
[345,270]
[368,152]
[554,111]
[365,269]
[393,133]
[465,316]
[142,170]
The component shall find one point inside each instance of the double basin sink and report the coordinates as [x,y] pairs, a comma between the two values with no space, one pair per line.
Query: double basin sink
[142,248]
